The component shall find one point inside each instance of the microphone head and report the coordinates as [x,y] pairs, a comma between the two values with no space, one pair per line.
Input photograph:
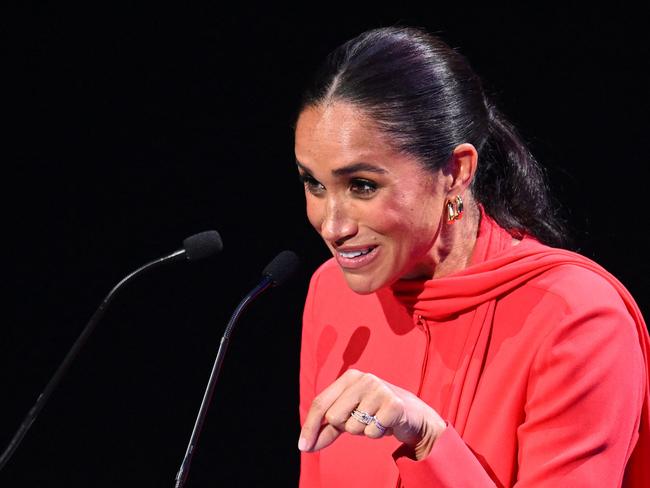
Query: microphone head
[202,245]
[282,267]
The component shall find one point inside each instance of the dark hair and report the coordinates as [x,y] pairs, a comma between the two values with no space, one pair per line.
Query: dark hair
[428,99]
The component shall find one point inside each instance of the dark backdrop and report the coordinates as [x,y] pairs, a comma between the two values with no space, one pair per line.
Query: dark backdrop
[130,128]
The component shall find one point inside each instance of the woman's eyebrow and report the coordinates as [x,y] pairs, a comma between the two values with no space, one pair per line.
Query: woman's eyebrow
[304,168]
[349,169]
[356,167]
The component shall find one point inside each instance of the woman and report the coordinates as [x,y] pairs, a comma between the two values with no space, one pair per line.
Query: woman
[447,343]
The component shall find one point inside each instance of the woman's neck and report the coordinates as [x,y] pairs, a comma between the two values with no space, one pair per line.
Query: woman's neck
[457,241]
[453,249]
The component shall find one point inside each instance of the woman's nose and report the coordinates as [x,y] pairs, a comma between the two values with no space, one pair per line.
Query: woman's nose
[338,225]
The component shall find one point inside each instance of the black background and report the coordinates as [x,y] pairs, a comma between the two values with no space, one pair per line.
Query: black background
[129,128]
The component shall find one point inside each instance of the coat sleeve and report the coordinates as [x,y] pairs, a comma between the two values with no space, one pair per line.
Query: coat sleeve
[581,417]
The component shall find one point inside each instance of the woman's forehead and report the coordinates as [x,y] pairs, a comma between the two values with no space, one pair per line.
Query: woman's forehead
[338,129]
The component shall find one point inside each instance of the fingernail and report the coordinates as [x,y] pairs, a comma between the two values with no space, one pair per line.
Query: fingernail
[302,444]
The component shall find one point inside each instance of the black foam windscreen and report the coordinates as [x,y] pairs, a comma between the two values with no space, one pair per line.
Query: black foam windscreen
[202,245]
[282,267]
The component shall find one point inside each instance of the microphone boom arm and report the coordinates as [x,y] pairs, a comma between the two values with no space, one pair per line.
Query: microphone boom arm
[183,472]
[72,354]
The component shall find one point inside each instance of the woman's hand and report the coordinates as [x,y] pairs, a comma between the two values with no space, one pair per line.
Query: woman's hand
[399,413]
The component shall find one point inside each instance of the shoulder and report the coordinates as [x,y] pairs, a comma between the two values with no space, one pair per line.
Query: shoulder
[327,288]
[330,297]
[326,281]
[569,293]
[574,279]
[326,273]
[579,287]
[586,303]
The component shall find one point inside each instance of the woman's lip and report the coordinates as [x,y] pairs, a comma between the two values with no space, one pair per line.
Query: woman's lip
[357,262]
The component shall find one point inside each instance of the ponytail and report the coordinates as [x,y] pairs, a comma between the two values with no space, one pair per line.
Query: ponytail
[512,186]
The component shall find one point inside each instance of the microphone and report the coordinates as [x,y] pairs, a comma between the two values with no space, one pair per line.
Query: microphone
[194,248]
[277,272]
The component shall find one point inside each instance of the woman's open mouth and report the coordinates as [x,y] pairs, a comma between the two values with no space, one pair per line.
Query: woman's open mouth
[355,258]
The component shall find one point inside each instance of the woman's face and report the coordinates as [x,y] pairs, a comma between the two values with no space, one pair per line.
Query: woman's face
[378,210]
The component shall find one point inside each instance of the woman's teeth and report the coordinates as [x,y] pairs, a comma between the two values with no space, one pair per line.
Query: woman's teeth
[355,254]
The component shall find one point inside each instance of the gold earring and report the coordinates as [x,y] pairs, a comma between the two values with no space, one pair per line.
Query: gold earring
[454,209]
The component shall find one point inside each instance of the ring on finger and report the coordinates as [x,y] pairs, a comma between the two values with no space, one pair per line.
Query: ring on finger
[366,418]
[363,417]
[380,427]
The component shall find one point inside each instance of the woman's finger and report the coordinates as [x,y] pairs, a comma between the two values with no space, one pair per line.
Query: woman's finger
[311,428]
[368,391]
[326,436]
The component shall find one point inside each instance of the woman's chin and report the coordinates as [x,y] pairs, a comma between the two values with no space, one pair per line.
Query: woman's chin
[363,285]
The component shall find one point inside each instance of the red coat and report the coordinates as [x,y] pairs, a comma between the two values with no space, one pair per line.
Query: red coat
[536,357]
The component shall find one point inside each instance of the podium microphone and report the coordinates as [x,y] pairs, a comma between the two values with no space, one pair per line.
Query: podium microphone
[195,247]
[276,273]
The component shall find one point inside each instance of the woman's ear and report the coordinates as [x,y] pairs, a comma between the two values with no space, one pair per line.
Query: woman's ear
[462,168]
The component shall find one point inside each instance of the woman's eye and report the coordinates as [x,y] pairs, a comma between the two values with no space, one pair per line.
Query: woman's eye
[363,187]
[311,184]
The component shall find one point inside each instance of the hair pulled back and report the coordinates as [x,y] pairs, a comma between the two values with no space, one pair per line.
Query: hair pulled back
[427,98]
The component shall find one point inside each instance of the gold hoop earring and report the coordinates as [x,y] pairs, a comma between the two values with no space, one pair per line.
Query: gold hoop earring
[454,209]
